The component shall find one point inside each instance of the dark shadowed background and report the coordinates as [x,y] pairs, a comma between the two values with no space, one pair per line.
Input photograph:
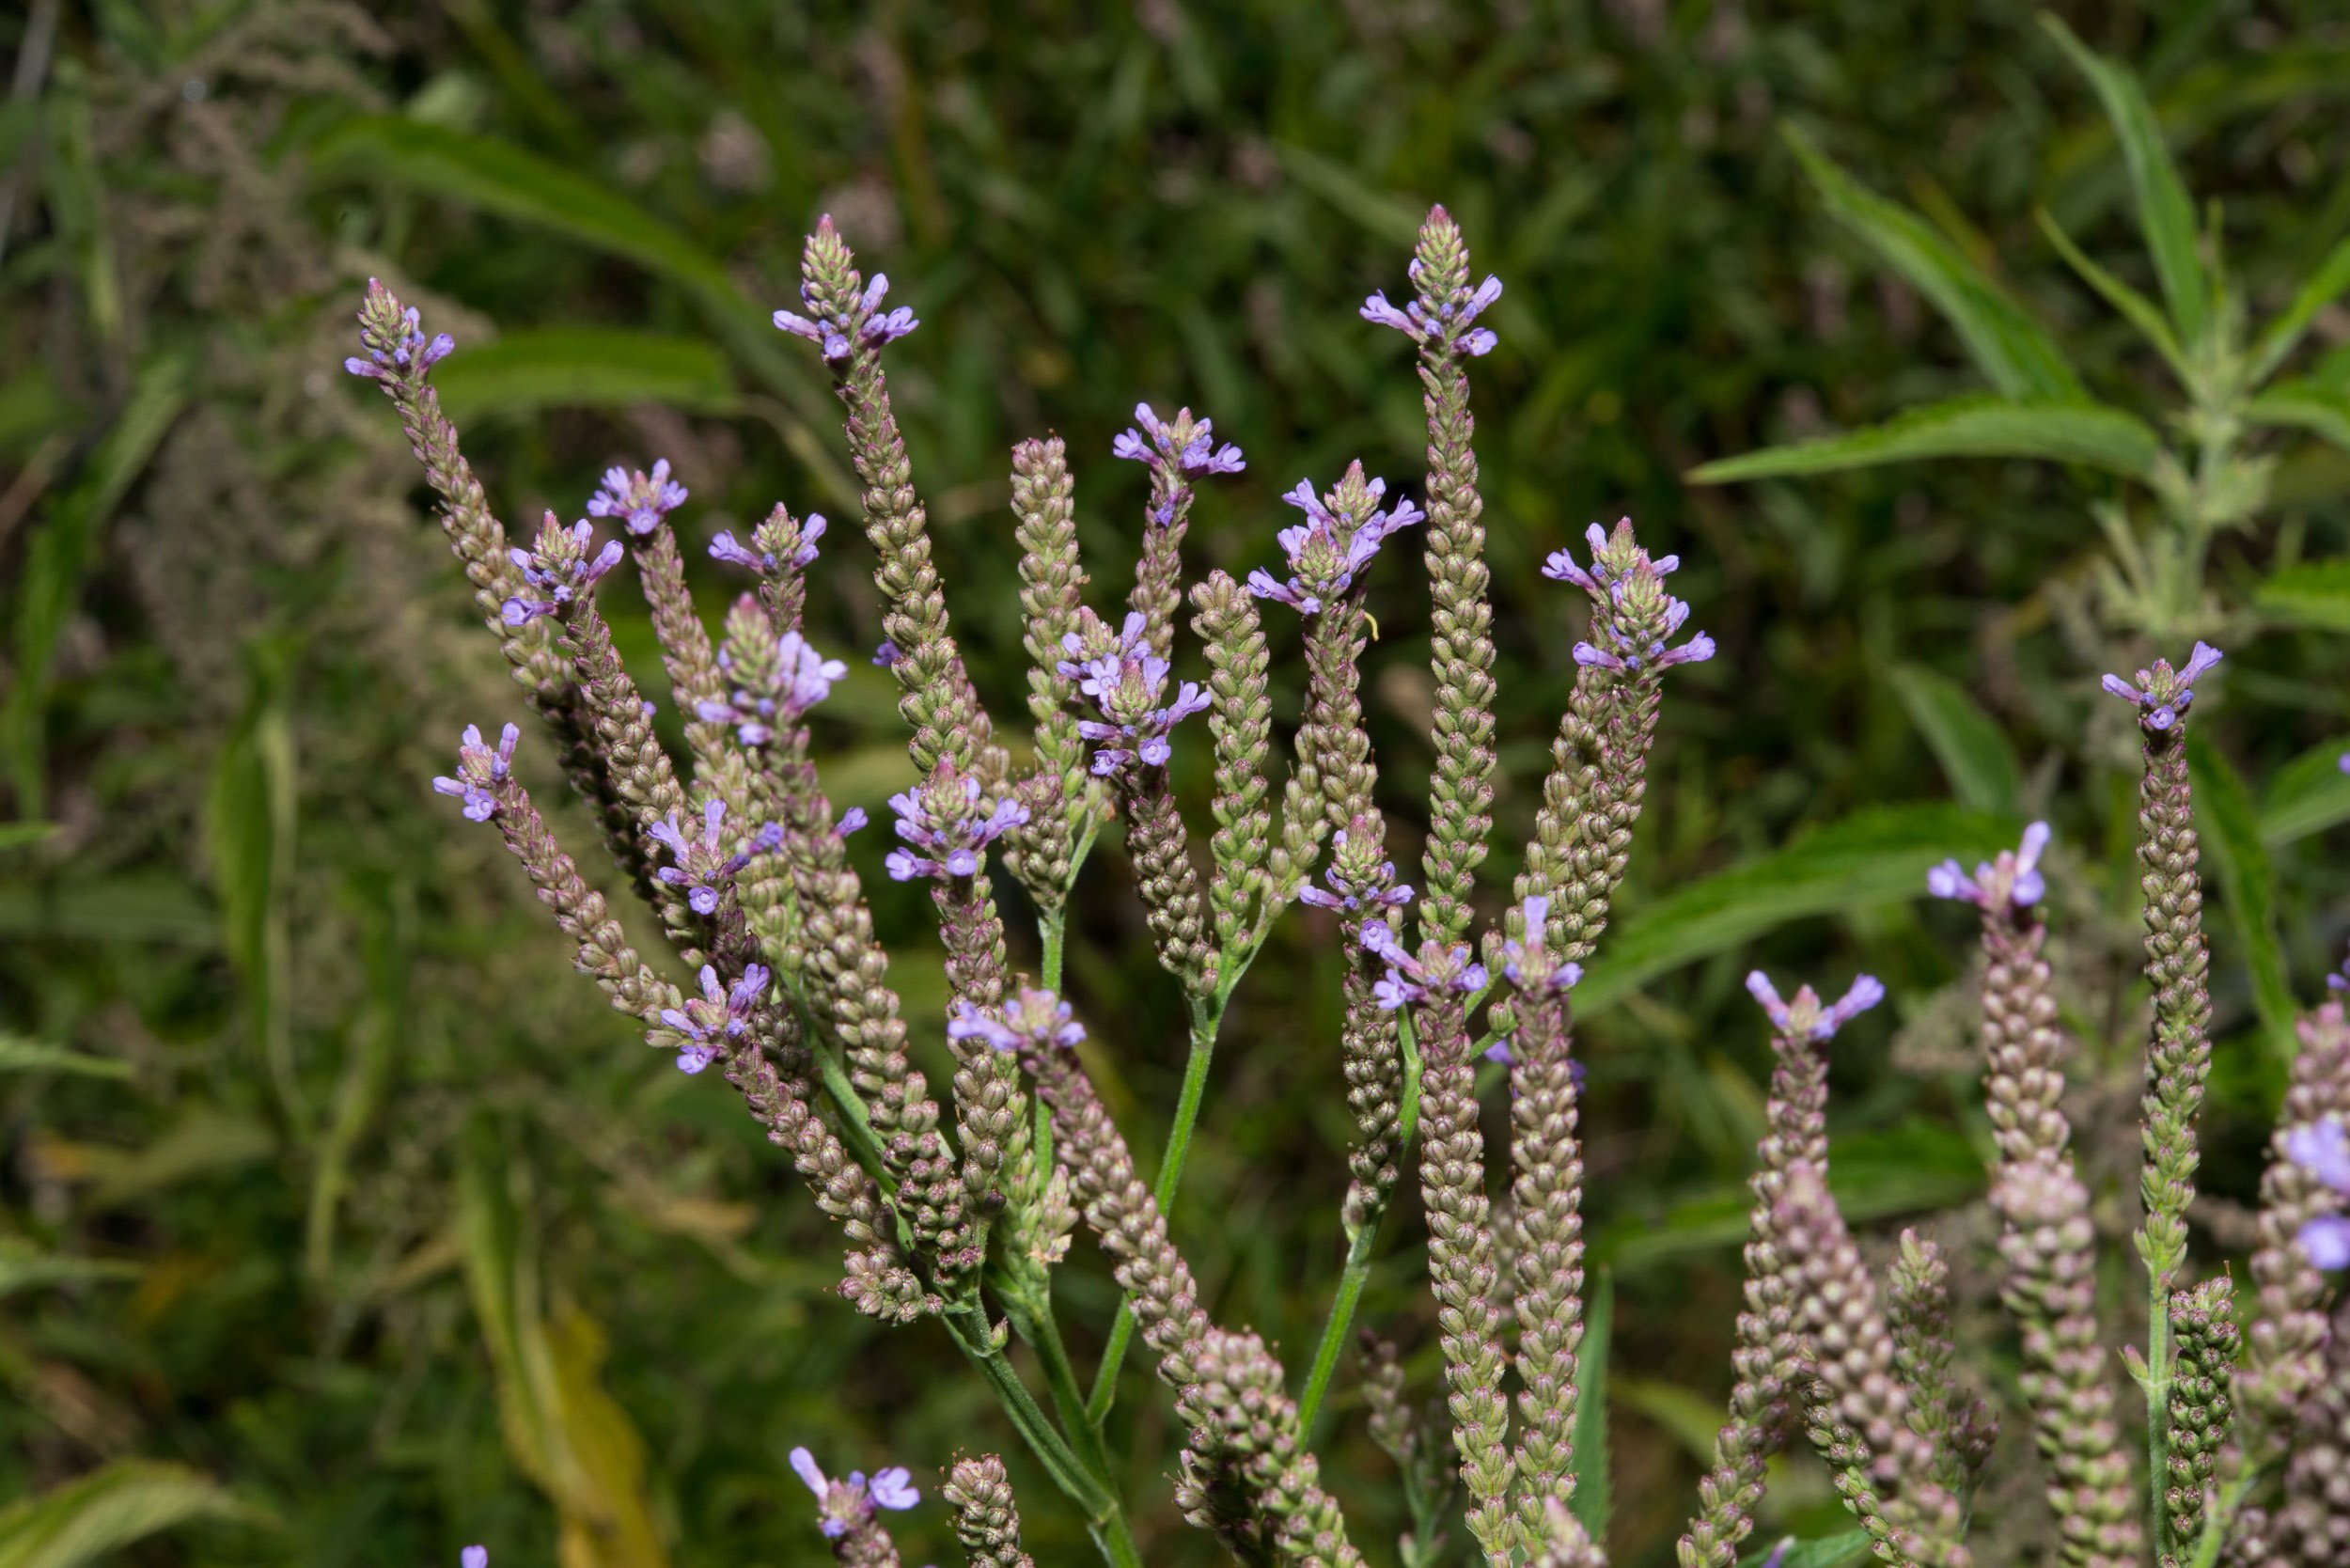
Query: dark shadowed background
[353,1203]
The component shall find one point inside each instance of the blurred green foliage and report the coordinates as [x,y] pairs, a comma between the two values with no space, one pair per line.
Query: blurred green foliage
[327,1182]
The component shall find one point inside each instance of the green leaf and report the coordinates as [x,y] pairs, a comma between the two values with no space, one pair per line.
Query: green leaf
[2135,307]
[2303,405]
[25,1267]
[2007,345]
[1875,856]
[2310,794]
[2230,832]
[1592,1500]
[1828,1551]
[249,819]
[95,1515]
[2314,593]
[142,906]
[2323,287]
[1962,427]
[2165,213]
[207,1141]
[524,372]
[20,1055]
[1973,750]
[18,835]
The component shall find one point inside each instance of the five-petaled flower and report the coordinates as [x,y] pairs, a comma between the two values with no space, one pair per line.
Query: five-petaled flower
[1126,680]
[944,818]
[410,351]
[1440,322]
[1342,531]
[478,770]
[719,1015]
[844,1505]
[2163,693]
[560,567]
[704,865]
[2323,1150]
[1805,1016]
[835,334]
[1183,444]
[1031,1017]
[2014,878]
[1414,980]
[1526,962]
[639,499]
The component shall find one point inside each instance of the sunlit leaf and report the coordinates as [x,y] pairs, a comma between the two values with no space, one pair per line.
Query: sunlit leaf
[93,1516]
[1962,427]
[1974,752]
[2308,795]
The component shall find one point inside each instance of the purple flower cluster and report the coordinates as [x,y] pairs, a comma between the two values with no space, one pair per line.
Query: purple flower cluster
[1342,532]
[944,818]
[1031,1017]
[2162,693]
[477,768]
[704,865]
[1805,1016]
[411,353]
[1420,322]
[1527,963]
[560,567]
[761,558]
[719,1014]
[835,334]
[2323,1150]
[1351,894]
[1414,980]
[639,500]
[1183,444]
[2014,878]
[1126,680]
[1633,612]
[843,1505]
[786,684]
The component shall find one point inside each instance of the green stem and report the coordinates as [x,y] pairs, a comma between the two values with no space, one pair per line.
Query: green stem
[2157,1383]
[1052,933]
[1207,1017]
[2223,1513]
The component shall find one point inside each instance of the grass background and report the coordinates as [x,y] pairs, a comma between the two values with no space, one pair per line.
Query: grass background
[353,1211]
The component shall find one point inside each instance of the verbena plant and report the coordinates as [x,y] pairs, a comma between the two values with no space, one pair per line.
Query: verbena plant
[959,1213]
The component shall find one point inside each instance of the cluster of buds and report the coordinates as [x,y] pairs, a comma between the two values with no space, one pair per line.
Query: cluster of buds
[1447,322]
[1180,445]
[392,356]
[705,864]
[560,567]
[639,499]
[1410,978]
[1126,680]
[1805,1016]
[707,1024]
[2012,879]
[1343,531]
[945,818]
[479,770]
[848,319]
[2162,694]
[1631,614]
[1362,879]
[777,542]
[771,678]
[1526,962]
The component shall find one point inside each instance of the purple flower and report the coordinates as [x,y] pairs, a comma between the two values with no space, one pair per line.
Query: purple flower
[703,866]
[639,499]
[835,334]
[1805,1016]
[1032,1017]
[779,680]
[2162,693]
[2013,878]
[2323,1150]
[1340,534]
[944,818]
[478,769]
[708,1022]
[1441,321]
[1349,898]
[885,656]
[1632,615]
[560,567]
[1126,680]
[411,353]
[1527,963]
[851,821]
[1180,444]
[474,1557]
[844,1505]
[764,554]
[1414,980]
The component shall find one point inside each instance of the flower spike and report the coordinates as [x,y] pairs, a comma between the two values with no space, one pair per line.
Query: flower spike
[478,771]
[2013,878]
[1805,1016]
[2162,693]
[1342,532]
[639,499]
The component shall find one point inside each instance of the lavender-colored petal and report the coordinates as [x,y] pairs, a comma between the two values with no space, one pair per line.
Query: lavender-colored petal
[1587,654]
[893,1488]
[2123,689]
[2326,1239]
[851,820]
[1560,567]
[799,326]
[1377,309]
[1480,342]
[2323,1150]
[1759,986]
[474,1557]
[2198,663]
[1499,1051]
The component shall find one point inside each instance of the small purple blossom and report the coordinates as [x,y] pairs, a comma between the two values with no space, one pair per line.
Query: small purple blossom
[887,654]
[724,547]
[412,353]
[474,1557]
[844,1505]
[560,567]
[639,499]
[783,683]
[1181,443]
[720,1014]
[703,864]
[477,769]
[835,334]
[1031,1017]
[1805,1016]
[1632,615]
[851,821]
[1527,963]
[1423,321]
[2014,878]
[2323,1150]
[2162,694]
[1414,980]
[944,816]
[1126,680]
[1341,535]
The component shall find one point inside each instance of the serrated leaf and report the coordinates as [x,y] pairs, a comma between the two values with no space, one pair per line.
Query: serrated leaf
[25,1267]
[1962,427]
[524,372]
[1973,750]
[2314,593]
[1592,1502]
[2324,286]
[1827,1551]
[2007,345]
[2229,833]
[2304,405]
[2310,794]
[2165,214]
[20,1055]
[1874,856]
[95,1515]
